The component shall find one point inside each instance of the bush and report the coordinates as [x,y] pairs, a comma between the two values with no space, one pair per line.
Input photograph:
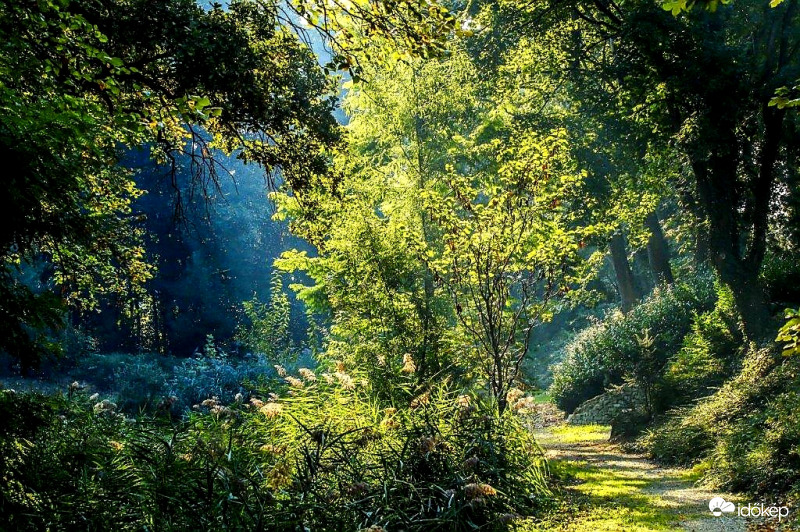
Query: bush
[710,353]
[602,354]
[142,381]
[746,433]
[322,457]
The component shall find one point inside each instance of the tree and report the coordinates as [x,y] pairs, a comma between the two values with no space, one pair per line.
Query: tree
[450,237]
[704,82]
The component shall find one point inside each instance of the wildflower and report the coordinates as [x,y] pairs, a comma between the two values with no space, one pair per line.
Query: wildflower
[186,457]
[294,382]
[238,397]
[117,446]
[381,360]
[94,397]
[330,379]
[210,402]
[281,370]
[307,374]
[408,364]
[271,409]
[390,411]
[339,365]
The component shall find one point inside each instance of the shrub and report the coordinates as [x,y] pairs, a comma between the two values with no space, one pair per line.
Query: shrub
[746,433]
[710,353]
[602,354]
[324,456]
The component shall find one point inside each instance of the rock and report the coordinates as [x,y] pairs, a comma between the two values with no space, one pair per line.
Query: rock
[605,408]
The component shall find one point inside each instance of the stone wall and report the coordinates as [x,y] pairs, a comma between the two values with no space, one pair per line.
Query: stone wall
[604,408]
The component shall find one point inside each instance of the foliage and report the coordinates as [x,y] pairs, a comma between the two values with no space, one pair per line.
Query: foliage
[745,433]
[711,353]
[602,354]
[323,456]
[267,332]
[450,232]
[79,81]
[144,381]
[789,333]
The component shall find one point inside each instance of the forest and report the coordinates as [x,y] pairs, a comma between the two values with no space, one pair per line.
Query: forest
[400,265]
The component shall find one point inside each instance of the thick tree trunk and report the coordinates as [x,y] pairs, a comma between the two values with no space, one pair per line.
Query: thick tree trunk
[622,270]
[658,251]
[700,247]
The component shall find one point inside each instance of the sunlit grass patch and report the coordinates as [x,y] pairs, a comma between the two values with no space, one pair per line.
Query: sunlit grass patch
[580,433]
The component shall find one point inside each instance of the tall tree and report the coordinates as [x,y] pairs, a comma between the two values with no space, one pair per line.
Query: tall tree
[704,80]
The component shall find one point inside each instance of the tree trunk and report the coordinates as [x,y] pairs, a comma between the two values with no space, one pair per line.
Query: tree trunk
[622,270]
[700,247]
[658,251]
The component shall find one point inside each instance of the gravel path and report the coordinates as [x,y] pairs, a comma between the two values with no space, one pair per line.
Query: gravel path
[629,492]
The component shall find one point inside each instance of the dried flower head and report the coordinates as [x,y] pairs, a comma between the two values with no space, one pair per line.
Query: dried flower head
[526,404]
[475,490]
[427,445]
[294,382]
[271,409]
[390,423]
[463,401]
[471,462]
[421,400]
[408,364]
[513,395]
[307,374]
[281,370]
[345,380]
[257,403]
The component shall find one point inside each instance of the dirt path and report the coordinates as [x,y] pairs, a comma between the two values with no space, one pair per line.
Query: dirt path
[616,491]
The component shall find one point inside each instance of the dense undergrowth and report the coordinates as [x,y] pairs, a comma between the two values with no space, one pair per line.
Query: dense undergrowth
[723,406]
[604,353]
[322,455]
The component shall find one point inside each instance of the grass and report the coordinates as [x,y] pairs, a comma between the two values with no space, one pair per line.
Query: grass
[609,491]
[566,434]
